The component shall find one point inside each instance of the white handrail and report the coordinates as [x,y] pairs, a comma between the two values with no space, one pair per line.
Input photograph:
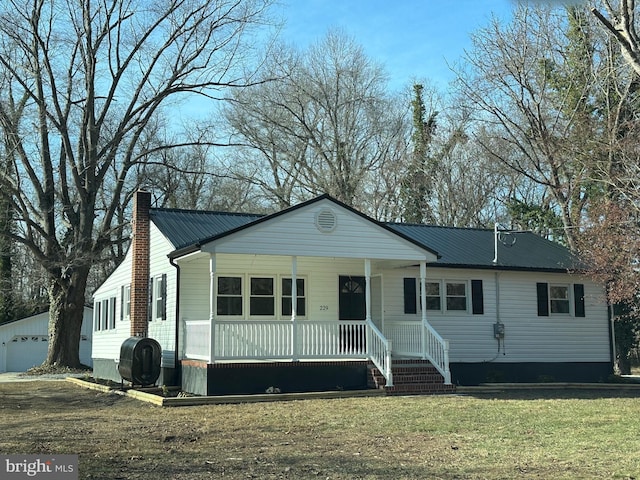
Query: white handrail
[379,349]
[437,352]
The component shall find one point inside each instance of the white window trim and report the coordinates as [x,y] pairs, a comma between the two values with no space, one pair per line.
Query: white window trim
[97,308]
[157,285]
[569,300]
[280,297]
[105,313]
[440,283]
[466,296]
[242,295]
[247,296]
[245,288]
[126,303]
[443,296]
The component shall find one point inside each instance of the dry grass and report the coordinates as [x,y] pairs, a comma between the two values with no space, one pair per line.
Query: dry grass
[557,435]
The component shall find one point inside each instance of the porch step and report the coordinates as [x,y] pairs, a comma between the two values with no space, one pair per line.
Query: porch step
[410,377]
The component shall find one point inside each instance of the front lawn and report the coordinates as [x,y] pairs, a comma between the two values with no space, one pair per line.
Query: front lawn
[573,434]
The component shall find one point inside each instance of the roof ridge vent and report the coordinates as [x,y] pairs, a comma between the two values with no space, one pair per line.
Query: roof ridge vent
[326,220]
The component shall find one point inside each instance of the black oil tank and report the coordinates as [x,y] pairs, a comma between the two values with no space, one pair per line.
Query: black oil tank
[140,360]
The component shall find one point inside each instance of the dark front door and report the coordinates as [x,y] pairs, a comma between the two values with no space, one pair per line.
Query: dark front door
[352,303]
[352,306]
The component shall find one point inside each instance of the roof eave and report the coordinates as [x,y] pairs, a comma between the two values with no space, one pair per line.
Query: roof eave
[510,268]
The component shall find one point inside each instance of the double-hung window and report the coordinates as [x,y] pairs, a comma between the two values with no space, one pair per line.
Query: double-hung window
[157,309]
[229,296]
[443,296]
[456,296]
[262,299]
[301,302]
[104,314]
[125,302]
[559,298]
[555,299]
[433,296]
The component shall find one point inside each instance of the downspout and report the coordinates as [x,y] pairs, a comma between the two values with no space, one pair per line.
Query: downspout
[612,336]
[177,364]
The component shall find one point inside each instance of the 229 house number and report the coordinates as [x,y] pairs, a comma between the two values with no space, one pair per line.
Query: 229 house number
[324,307]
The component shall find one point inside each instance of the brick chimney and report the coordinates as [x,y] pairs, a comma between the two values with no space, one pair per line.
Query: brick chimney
[140,264]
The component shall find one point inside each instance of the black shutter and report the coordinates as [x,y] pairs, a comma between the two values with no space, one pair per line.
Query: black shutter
[122,303]
[578,298]
[150,307]
[543,299]
[477,297]
[410,295]
[164,296]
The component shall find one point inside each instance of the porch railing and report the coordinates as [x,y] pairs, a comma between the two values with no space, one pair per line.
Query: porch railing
[437,351]
[246,339]
[380,352]
[416,339]
[263,340]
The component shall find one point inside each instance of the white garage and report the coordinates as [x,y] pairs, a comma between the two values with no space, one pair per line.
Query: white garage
[24,343]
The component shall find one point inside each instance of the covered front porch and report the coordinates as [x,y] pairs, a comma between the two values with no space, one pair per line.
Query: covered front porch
[313,339]
[305,286]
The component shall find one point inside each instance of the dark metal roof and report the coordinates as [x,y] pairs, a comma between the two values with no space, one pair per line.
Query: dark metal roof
[184,228]
[457,247]
[471,247]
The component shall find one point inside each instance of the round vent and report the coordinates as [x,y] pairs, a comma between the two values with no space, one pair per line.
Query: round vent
[326,220]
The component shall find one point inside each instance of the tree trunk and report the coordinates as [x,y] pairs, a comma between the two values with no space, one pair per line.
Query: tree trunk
[66,313]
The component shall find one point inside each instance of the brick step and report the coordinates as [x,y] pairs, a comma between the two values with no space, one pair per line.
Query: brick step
[410,377]
[420,389]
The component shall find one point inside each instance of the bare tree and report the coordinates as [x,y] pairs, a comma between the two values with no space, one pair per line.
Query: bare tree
[326,126]
[82,81]
[535,82]
[621,23]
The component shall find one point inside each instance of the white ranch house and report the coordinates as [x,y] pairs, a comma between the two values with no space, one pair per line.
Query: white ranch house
[320,296]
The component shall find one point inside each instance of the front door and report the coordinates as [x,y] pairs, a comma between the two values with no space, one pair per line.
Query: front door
[352,305]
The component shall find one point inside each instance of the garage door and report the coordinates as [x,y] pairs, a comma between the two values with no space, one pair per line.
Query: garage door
[26,352]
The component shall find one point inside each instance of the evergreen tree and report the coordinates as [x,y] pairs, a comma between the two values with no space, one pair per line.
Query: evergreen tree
[418,184]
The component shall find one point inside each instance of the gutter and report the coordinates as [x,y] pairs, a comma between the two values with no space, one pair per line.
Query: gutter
[177,330]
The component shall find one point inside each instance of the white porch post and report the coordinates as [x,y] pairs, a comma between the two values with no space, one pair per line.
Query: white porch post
[423,302]
[367,300]
[212,306]
[294,306]
[367,288]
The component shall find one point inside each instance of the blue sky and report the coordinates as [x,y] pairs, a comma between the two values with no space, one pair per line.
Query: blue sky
[413,39]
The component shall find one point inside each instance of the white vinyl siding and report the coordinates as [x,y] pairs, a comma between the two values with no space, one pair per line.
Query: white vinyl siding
[320,277]
[296,234]
[528,337]
[107,343]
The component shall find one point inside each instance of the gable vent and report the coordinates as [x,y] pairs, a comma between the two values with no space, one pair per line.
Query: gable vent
[326,220]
